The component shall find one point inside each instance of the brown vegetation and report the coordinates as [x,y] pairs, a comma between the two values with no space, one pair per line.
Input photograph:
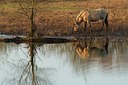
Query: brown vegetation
[57,18]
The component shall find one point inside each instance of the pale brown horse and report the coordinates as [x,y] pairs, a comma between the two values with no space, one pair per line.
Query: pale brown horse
[88,16]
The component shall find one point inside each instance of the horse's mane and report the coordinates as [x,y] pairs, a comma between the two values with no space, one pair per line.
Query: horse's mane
[80,14]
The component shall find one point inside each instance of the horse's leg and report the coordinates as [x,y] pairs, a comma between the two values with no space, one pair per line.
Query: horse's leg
[90,26]
[106,21]
[102,24]
[85,26]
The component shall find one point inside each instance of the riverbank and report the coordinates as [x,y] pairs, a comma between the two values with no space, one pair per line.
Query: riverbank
[57,18]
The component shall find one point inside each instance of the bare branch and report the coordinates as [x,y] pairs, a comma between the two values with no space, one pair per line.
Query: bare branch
[25,11]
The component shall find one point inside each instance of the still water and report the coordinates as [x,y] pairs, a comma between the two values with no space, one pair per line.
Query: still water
[71,63]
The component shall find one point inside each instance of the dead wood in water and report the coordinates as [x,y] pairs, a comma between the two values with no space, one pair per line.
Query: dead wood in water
[48,40]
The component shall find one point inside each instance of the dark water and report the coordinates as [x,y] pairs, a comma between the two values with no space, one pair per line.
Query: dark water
[62,64]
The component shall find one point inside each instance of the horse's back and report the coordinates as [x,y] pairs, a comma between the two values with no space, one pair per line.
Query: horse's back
[104,12]
[96,14]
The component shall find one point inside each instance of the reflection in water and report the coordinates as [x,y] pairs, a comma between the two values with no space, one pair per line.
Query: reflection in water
[31,71]
[23,68]
[96,47]
[61,64]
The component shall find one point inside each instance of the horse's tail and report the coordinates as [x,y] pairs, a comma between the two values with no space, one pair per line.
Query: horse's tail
[106,20]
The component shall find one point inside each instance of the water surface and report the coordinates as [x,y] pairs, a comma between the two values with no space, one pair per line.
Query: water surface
[61,64]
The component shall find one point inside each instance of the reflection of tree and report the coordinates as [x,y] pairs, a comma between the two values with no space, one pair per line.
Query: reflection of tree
[24,70]
[30,68]
[31,71]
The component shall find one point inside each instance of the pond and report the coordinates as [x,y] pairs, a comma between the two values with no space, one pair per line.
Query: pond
[92,62]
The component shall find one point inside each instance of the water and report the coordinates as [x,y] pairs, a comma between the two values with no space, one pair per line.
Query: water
[61,64]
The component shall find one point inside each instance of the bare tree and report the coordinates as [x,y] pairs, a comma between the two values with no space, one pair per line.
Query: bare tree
[29,9]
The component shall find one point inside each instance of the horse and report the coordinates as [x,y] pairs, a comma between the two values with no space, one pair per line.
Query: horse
[88,16]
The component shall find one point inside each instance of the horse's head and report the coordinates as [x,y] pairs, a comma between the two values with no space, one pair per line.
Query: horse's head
[82,50]
[78,21]
[75,26]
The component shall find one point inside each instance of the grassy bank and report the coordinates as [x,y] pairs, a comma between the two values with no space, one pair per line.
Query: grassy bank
[56,18]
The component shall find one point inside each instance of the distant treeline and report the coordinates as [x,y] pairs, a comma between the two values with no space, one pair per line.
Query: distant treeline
[43,0]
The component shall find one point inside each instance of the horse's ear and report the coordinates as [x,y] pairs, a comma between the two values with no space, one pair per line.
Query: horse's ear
[75,22]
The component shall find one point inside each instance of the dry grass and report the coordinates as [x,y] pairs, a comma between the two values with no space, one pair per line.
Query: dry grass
[56,18]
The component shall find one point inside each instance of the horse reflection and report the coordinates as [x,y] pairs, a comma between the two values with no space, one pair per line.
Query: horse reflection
[93,48]
[82,49]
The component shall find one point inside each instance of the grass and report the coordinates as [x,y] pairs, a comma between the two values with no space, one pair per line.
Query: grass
[57,18]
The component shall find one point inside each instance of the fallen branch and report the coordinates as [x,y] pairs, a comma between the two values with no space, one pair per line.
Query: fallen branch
[48,40]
